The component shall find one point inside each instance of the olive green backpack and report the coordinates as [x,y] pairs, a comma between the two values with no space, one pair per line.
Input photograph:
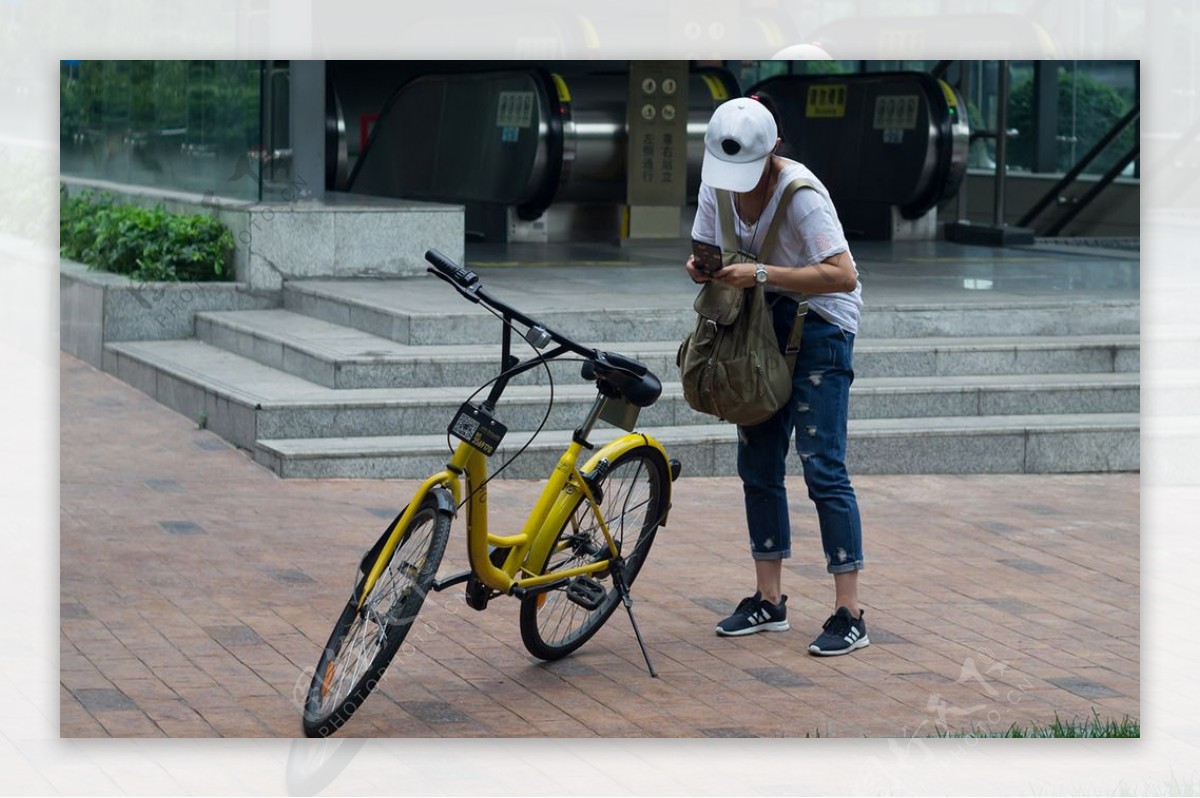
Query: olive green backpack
[730,365]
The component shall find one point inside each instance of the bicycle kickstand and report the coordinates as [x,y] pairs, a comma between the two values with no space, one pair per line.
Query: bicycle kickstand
[618,570]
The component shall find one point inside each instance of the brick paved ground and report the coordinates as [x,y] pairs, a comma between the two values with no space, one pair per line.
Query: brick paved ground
[197,588]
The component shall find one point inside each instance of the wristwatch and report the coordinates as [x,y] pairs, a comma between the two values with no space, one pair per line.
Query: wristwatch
[760,274]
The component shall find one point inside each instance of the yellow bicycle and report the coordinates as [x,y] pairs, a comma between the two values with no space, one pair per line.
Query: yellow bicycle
[571,564]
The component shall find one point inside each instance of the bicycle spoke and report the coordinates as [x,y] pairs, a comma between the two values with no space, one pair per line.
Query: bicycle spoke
[554,623]
[368,636]
[552,631]
[347,672]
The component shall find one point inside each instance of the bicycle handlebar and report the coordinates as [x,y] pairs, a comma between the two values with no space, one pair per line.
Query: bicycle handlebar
[464,279]
[468,284]
[639,385]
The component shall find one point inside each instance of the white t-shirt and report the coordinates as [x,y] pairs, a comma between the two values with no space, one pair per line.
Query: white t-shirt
[810,234]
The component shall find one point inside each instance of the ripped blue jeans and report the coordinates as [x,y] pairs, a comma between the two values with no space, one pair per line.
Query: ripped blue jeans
[817,414]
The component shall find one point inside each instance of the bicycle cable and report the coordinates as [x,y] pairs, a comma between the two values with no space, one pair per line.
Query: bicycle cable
[549,405]
[545,363]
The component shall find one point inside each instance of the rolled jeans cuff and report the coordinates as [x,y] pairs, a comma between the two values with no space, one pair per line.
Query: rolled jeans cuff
[845,568]
[771,555]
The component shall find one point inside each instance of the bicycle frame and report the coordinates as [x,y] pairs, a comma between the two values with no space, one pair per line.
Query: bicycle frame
[560,497]
[562,492]
[560,548]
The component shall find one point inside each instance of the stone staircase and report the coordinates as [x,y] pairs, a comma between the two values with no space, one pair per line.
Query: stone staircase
[359,378]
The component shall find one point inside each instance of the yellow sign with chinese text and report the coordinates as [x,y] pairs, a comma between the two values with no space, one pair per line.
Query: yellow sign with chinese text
[826,101]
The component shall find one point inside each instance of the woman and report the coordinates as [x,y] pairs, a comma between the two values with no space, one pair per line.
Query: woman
[811,260]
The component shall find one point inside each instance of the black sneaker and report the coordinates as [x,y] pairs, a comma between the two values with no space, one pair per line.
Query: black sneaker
[843,633]
[754,614]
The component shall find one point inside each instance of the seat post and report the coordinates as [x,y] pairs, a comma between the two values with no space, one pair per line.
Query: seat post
[589,423]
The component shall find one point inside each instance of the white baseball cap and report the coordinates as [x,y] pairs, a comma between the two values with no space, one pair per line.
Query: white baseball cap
[741,136]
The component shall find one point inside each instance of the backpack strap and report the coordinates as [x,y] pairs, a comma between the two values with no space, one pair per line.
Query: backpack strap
[773,231]
[729,234]
[797,334]
[725,216]
[794,337]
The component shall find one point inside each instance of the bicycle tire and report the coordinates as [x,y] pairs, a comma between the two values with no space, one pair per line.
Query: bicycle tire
[372,634]
[552,625]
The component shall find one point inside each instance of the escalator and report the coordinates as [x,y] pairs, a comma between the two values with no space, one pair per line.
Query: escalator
[523,139]
[889,146]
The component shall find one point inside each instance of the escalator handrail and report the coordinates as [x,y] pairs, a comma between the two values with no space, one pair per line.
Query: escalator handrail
[544,195]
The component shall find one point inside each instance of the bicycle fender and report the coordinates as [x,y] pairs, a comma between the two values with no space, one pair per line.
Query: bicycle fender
[445,501]
[615,449]
[611,451]
[567,502]
[445,505]
[372,554]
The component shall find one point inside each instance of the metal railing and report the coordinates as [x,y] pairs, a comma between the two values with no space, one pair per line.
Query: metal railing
[1074,208]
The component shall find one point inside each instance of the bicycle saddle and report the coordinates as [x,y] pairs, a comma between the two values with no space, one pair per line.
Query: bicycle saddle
[621,377]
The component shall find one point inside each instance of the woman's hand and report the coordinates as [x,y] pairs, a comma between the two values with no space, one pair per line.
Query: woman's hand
[696,275]
[738,275]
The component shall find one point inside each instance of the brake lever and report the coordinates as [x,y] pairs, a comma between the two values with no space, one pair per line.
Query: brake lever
[470,294]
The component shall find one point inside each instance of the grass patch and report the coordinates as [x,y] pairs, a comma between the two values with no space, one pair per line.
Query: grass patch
[1094,726]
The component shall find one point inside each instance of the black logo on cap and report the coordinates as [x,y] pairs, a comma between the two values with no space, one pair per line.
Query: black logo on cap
[731,147]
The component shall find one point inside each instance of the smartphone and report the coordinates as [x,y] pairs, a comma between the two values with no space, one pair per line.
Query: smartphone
[708,257]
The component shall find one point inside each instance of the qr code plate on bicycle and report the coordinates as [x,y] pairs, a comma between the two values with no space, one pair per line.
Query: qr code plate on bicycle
[477,427]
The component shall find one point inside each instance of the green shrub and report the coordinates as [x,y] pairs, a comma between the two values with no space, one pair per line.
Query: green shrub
[145,244]
[1095,108]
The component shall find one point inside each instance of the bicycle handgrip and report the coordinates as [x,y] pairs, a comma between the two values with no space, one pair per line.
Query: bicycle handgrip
[464,278]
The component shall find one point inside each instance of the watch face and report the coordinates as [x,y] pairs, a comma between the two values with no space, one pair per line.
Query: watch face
[760,275]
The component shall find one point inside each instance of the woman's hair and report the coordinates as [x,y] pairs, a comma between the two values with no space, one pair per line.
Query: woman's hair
[770,106]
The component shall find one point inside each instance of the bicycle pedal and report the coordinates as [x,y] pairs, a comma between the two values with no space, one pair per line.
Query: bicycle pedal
[586,592]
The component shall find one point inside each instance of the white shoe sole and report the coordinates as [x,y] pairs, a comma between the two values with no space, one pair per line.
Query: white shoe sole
[773,626]
[862,642]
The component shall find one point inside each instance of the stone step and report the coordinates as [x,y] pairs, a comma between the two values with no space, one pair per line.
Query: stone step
[342,357]
[244,400]
[389,311]
[982,444]
[426,312]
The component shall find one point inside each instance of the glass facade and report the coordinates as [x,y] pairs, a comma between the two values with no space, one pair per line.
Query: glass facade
[1085,99]
[1080,101]
[191,126]
[200,126]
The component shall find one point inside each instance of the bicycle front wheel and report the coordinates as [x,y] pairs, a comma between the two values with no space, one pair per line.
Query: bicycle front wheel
[633,500]
[365,639]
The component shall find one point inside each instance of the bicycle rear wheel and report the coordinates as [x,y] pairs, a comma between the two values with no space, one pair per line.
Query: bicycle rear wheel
[633,500]
[365,639]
